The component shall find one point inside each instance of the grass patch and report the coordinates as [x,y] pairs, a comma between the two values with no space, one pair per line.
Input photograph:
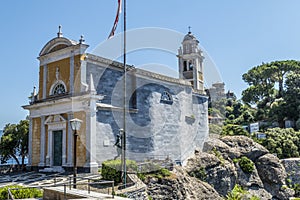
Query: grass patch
[22,193]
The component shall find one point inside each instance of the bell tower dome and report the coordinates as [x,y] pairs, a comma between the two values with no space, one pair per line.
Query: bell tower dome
[190,60]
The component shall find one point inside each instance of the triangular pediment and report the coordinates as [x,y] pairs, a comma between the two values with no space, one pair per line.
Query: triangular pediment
[54,119]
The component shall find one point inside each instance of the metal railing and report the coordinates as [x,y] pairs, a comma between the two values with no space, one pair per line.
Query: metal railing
[70,184]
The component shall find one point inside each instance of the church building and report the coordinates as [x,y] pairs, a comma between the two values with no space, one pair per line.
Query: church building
[165,117]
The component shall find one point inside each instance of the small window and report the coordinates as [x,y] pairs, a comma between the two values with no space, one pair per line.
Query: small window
[184,66]
[166,97]
[59,89]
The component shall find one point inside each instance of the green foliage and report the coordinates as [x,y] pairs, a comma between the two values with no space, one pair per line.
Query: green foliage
[122,195]
[238,193]
[215,129]
[219,156]
[112,169]
[296,188]
[22,193]
[274,88]
[285,143]
[14,141]
[246,164]
[160,173]
[200,174]
[231,129]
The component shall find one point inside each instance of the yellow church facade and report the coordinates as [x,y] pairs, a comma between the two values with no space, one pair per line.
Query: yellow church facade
[61,98]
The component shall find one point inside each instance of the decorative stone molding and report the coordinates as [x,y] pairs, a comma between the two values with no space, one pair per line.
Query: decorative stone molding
[54,123]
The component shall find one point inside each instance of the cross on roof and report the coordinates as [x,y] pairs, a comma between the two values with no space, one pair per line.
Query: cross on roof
[189,29]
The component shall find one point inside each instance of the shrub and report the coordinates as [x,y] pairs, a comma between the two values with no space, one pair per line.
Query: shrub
[285,143]
[22,193]
[112,169]
[232,129]
[160,173]
[200,174]
[215,129]
[246,164]
[238,193]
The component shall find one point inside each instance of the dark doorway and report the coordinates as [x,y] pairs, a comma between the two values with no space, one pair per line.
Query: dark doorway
[57,148]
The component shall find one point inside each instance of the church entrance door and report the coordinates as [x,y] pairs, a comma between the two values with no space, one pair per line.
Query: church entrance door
[57,148]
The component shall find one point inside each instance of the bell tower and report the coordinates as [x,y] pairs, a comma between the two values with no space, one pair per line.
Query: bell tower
[190,60]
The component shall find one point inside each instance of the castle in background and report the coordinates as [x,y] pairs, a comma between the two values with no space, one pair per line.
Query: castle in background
[165,117]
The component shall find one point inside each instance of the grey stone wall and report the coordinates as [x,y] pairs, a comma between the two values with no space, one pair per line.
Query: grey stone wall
[155,128]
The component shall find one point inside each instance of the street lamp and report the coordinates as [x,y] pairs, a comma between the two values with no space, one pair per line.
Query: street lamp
[123,155]
[75,125]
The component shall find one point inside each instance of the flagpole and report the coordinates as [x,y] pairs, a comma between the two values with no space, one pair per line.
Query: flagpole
[124,103]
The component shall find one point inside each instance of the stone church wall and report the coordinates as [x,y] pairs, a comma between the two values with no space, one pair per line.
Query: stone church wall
[156,128]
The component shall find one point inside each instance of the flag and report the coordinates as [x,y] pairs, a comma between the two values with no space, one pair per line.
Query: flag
[112,33]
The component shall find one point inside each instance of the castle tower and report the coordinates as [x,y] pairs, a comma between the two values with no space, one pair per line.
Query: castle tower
[190,60]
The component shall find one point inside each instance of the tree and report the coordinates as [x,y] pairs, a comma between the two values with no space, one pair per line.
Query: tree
[14,142]
[273,90]
[285,143]
[292,95]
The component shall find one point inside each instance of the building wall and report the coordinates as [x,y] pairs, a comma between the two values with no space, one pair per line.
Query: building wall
[36,139]
[156,129]
[81,139]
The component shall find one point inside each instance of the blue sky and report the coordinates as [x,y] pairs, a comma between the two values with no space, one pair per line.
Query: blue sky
[236,34]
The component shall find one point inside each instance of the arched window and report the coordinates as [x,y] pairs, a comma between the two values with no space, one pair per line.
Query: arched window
[59,89]
[184,66]
[166,97]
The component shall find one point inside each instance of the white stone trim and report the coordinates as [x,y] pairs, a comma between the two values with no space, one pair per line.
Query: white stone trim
[30,143]
[72,74]
[91,120]
[45,75]
[42,142]
[70,142]
[84,85]
[56,123]
[63,53]
[64,105]
[55,84]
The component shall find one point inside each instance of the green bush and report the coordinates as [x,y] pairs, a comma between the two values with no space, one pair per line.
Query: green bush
[200,174]
[246,164]
[160,173]
[238,193]
[285,143]
[21,193]
[215,129]
[232,129]
[112,169]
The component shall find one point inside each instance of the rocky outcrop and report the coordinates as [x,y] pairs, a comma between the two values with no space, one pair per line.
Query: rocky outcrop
[219,173]
[213,173]
[180,186]
[219,161]
[273,175]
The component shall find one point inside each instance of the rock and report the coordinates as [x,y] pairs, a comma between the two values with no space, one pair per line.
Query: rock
[244,146]
[220,174]
[260,192]
[248,180]
[273,175]
[181,187]
[212,174]
[292,168]
[216,144]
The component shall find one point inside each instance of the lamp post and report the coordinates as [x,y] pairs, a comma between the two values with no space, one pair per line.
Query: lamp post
[123,155]
[75,125]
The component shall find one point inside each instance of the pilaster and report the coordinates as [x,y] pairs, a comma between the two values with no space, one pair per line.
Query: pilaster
[30,143]
[45,75]
[42,142]
[70,142]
